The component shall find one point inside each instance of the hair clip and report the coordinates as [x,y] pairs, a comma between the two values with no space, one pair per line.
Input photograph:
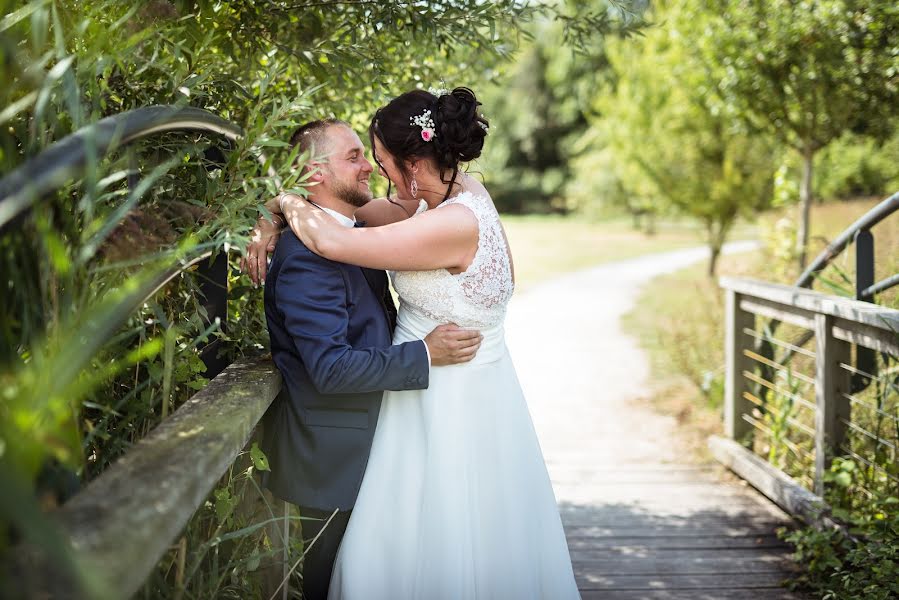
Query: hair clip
[426,123]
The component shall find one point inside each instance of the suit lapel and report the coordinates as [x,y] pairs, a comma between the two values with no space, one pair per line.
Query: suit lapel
[377,281]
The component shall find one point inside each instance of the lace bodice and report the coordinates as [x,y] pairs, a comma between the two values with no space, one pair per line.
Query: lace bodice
[478,296]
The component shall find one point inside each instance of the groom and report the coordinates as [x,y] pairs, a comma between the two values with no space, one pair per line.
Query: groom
[331,326]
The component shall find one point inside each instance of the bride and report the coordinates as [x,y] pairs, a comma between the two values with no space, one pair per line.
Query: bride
[456,501]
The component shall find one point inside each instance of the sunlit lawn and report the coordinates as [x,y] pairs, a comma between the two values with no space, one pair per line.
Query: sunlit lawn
[544,246]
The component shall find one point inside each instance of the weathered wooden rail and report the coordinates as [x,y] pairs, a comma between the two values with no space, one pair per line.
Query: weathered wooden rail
[124,521]
[820,406]
[818,414]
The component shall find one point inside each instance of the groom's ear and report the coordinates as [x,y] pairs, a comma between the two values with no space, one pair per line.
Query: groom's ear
[315,171]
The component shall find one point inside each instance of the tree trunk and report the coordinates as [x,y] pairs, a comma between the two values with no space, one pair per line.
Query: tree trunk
[651,223]
[715,242]
[805,204]
[713,260]
[717,237]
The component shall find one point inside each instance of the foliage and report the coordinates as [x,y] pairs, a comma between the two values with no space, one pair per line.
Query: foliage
[854,165]
[805,72]
[839,566]
[672,148]
[863,490]
[765,73]
[541,110]
[233,545]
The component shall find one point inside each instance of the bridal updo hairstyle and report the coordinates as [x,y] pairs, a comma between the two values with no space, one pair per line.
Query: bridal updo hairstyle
[459,130]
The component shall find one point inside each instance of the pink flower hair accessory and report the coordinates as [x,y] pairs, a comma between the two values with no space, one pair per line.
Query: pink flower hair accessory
[426,123]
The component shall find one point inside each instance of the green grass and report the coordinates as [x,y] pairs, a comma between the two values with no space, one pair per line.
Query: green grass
[545,246]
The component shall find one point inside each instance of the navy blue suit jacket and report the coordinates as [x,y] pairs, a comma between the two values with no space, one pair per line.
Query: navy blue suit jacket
[331,328]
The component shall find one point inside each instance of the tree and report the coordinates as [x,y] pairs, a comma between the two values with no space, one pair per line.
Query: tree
[540,109]
[670,146]
[805,72]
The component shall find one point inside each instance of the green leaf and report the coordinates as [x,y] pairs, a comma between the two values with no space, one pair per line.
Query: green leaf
[253,562]
[224,504]
[16,16]
[271,143]
[260,460]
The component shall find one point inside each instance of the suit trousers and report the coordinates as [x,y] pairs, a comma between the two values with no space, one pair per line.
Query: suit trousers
[319,560]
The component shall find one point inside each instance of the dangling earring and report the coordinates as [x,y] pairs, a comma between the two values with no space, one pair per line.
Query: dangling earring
[413,187]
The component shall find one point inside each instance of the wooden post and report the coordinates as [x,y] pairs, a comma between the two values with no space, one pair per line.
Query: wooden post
[735,405]
[831,382]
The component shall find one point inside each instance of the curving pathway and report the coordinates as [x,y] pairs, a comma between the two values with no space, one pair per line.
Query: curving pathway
[640,522]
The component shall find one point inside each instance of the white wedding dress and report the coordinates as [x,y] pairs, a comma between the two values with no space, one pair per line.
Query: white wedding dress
[456,502]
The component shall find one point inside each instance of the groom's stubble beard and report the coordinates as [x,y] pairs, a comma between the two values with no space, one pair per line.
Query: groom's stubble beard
[352,195]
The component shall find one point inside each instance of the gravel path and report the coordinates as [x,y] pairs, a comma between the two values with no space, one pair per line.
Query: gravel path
[579,369]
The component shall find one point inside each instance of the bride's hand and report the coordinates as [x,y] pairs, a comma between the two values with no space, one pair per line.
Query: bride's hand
[263,240]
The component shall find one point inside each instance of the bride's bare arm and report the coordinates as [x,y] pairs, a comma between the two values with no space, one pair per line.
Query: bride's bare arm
[436,239]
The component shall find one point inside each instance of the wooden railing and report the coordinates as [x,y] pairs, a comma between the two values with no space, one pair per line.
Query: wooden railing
[126,519]
[803,413]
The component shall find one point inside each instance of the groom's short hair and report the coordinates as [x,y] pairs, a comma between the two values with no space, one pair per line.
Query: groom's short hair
[311,135]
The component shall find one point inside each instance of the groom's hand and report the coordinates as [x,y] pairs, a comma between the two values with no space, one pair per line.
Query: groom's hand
[450,344]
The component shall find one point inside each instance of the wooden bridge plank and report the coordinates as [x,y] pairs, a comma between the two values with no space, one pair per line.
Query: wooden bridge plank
[635,545]
[773,593]
[658,514]
[590,580]
[730,531]
[680,561]
[564,474]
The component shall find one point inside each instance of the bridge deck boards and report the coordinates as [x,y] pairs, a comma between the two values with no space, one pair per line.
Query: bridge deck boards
[660,533]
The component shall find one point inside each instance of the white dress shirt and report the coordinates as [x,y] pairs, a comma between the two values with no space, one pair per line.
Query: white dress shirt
[339,217]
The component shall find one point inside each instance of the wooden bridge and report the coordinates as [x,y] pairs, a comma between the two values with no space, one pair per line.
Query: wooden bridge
[641,523]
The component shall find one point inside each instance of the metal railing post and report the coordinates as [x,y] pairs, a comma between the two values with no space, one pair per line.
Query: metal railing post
[865,358]
[214,288]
